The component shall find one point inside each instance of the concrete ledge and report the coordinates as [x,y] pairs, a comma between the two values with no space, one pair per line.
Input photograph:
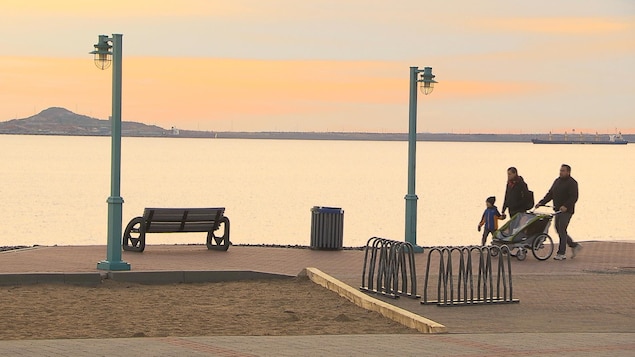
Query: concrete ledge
[173,277]
[51,278]
[140,277]
[147,277]
[218,276]
[394,313]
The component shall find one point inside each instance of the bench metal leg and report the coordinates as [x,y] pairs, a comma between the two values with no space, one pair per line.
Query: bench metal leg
[134,236]
[222,242]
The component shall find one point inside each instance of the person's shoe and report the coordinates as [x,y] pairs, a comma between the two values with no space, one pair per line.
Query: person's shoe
[560,257]
[576,250]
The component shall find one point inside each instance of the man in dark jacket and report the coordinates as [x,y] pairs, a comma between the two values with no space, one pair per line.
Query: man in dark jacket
[515,193]
[564,193]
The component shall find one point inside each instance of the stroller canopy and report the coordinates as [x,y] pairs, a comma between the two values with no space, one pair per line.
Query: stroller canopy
[517,224]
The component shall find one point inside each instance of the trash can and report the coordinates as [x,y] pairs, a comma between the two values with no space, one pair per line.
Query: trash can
[327,227]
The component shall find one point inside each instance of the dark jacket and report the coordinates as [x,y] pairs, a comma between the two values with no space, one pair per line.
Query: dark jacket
[563,192]
[515,195]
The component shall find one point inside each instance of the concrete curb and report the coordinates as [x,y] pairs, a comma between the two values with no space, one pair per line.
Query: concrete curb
[51,278]
[394,313]
[201,276]
[140,277]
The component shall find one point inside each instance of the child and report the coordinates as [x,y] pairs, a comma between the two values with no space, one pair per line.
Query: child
[490,219]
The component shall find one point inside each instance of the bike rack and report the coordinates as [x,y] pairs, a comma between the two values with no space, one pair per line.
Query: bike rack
[385,262]
[465,288]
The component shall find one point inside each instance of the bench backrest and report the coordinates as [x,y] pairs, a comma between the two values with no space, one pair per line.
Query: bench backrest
[165,220]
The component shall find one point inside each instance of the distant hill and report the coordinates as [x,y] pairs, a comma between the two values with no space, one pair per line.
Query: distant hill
[60,121]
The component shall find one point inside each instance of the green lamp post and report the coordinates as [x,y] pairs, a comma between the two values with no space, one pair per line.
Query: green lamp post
[103,55]
[426,80]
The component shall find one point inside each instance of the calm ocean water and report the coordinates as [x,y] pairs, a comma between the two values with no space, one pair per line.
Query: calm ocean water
[54,188]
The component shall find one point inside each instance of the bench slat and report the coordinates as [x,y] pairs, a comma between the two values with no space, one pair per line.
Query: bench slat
[198,214]
[164,220]
[171,227]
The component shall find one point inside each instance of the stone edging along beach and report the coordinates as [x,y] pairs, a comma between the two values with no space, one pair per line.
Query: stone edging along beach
[394,313]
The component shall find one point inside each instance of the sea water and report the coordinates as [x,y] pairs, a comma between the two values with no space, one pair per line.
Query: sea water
[54,188]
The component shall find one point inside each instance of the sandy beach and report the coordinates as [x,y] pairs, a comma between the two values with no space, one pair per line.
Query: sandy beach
[115,309]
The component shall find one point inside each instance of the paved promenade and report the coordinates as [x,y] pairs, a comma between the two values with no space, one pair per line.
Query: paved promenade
[578,307]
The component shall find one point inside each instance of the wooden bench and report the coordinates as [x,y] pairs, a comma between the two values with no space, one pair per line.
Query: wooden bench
[177,220]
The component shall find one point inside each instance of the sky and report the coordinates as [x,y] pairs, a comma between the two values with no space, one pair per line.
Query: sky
[502,66]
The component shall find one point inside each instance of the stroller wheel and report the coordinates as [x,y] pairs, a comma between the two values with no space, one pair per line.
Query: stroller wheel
[542,247]
[521,254]
[493,251]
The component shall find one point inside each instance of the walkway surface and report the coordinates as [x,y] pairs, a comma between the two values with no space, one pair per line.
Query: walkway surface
[590,298]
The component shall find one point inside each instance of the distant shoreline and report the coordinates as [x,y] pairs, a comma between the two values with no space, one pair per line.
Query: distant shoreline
[56,121]
[344,136]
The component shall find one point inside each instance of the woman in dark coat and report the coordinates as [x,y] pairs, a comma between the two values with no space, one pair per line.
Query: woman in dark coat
[515,193]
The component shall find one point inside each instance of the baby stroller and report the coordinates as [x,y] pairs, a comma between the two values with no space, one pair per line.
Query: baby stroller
[524,231]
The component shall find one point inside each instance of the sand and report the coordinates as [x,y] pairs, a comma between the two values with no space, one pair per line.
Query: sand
[114,309]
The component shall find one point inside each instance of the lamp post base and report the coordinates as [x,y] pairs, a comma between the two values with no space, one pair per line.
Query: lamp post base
[411,219]
[110,265]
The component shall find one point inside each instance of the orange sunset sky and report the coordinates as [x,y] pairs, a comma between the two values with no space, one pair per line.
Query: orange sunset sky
[286,65]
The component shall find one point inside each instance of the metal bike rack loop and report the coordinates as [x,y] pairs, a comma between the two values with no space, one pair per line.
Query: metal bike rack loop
[470,260]
[389,268]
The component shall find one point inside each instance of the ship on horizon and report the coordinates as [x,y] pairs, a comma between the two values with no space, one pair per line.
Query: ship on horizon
[613,139]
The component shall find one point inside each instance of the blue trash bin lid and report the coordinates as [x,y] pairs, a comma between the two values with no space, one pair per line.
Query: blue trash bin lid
[321,209]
